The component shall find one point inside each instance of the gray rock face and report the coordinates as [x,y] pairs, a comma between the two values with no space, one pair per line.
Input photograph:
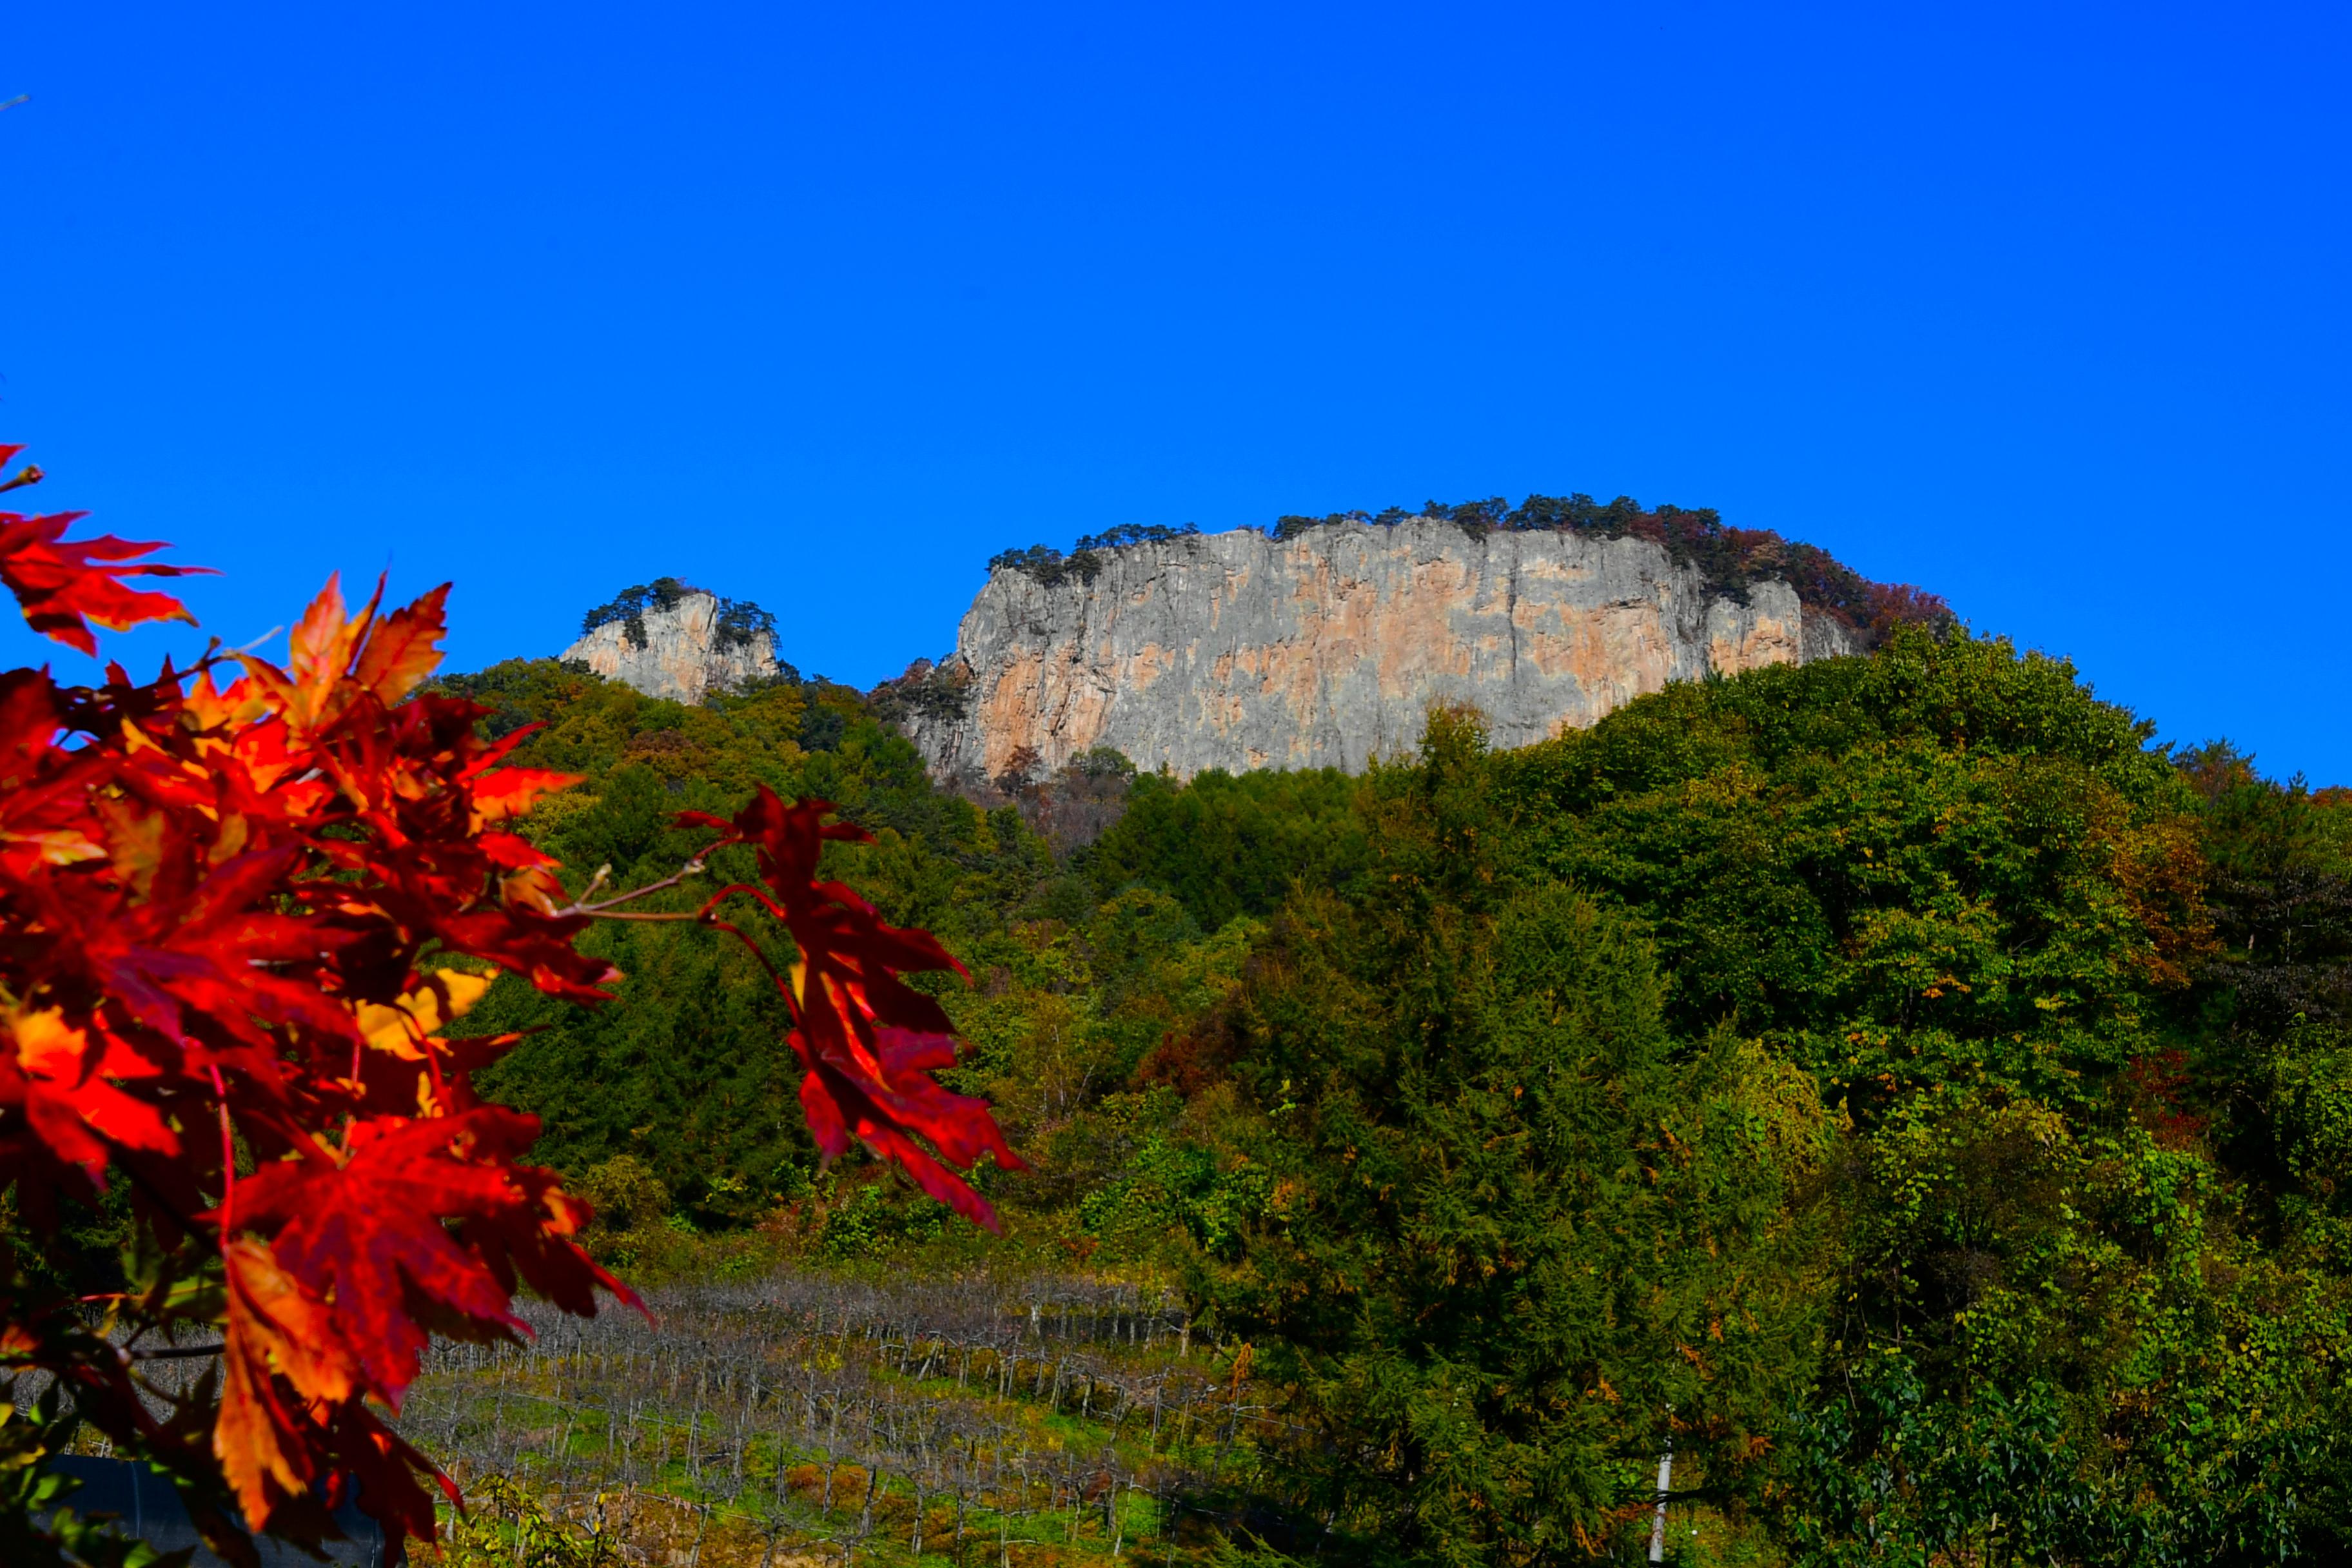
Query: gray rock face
[1235,651]
[685,658]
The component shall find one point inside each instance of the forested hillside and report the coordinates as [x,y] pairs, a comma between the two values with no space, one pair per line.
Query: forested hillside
[1888,1081]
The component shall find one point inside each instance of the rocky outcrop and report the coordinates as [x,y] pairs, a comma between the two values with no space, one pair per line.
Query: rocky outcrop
[679,650]
[1238,651]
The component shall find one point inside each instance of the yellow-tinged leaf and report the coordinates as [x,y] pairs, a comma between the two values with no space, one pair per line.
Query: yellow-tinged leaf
[210,708]
[506,793]
[319,659]
[275,1329]
[321,641]
[416,1016]
[136,740]
[534,888]
[62,847]
[46,1046]
[403,647]
[231,841]
[134,840]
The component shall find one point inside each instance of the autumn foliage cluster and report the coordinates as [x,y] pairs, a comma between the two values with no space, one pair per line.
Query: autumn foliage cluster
[238,905]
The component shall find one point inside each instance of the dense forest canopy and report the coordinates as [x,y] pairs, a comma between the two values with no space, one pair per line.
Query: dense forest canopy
[1894,1081]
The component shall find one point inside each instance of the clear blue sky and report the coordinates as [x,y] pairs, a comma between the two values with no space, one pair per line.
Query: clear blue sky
[2044,308]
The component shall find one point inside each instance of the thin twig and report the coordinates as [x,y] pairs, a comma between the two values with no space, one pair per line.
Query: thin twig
[603,875]
[580,906]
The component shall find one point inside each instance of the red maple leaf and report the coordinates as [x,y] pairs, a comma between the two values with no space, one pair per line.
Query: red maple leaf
[64,584]
[372,1234]
[223,911]
[868,1040]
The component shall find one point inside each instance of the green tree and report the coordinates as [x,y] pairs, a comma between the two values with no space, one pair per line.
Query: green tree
[1227,845]
[1518,1233]
[1942,864]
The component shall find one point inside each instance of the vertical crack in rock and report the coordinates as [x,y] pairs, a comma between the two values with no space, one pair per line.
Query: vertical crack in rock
[1236,651]
[1511,613]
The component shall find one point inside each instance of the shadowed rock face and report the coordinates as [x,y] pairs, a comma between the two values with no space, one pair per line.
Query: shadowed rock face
[1235,651]
[684,657]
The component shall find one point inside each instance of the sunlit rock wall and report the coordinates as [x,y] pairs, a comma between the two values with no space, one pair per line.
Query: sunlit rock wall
[1235,651]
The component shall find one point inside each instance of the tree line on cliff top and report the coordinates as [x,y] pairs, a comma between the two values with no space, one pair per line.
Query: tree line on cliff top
[1892,1083]
[737,623]
[1728,560]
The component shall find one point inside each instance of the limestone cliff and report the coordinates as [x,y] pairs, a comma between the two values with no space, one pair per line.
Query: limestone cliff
[1238,650]
[679,646]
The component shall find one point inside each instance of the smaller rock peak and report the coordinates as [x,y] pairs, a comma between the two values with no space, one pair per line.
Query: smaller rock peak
[669,639]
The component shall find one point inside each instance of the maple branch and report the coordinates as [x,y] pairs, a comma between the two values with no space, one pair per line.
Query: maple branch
[581,906]
[228,1158]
